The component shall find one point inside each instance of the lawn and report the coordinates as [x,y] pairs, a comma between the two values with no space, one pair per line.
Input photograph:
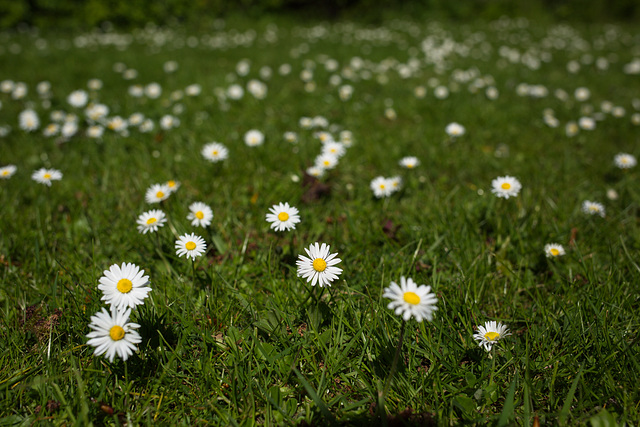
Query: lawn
[236,335]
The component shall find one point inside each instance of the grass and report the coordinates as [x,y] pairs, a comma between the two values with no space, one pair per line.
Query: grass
[244,341]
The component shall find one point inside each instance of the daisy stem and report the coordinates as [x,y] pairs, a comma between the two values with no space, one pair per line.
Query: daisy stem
[394,364]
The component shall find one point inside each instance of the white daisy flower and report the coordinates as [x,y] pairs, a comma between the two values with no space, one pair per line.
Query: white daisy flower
[587,123]
[625,161]
[51,129]
[200,214]
[169,122]
[454,129]
[45,176]
[94,84]
[409,162]
[315,171]
[78,98]
[7,171]
[190,245]
[235,92]
[153,90]
[593,208]
[117,124]
[490,333]
[150,221]
[136,119]
[326,161]
[571,129]
[553,250]
[146,126]
[69,129]
[381,187]
[193,90]
[173,185]
[112,334]
[319,268]
[283,217]
[334,148]
[95,131]
[96,112]
[214,152]
[157,193]
[409,299]
[29,120]
[505,186]
[291,137]
[253,138]
[124,286]
[136,91]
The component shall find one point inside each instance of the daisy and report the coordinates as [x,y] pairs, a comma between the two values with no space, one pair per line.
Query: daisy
[291,137]
[157,193]
[320,267]
[454,129]
[326,161]
[173,185]
[334,148]
[112,334]
[283,217]
[490,333]
[200,214]
[51,129]
[95,131]
[124,286]
[505,186]
[315,171]
[78,98]
[395,182]
[168,122]
[45,176]
[190,245]
[593,208]
[253,138]
[409,299]
[625,161]
[96,112]
[409,162]
[381,187]
[153,90]
[553,250]
[214,152]
[117,124]
[146,126]
[7,172]
[29,120]
[150,221]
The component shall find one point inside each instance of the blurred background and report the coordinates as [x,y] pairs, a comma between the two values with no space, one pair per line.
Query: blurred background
[200,13]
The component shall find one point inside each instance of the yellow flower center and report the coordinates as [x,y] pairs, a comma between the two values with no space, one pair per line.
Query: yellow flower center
[151,221]
[327,162]
[283,216]
[171,184]
[593,208]
[190,246]
[5,173]
[46,176]
[624,160]
[319,264]
[215,152]
[492,336]
[199,215]
[159,194]
[554,252]
[116,333]
[411,298]
[505,186]
[409,166]
[124,286]
[382,186]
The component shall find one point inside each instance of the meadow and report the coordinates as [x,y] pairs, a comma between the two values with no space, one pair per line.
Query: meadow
[235,335]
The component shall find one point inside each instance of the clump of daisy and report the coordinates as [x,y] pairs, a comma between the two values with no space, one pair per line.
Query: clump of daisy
[409,162]
[408,299]
[124,286]
[253,138]
[190,245]
[490,333]
[157,193]
[7,171]
[113,334]
[283,217]
[214,152]
[200,214]
[29,120]
[385,187]
[625,161]
[150,221]
[553,250]
[45,176]
[505,186]
[320,267]
[593,208]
